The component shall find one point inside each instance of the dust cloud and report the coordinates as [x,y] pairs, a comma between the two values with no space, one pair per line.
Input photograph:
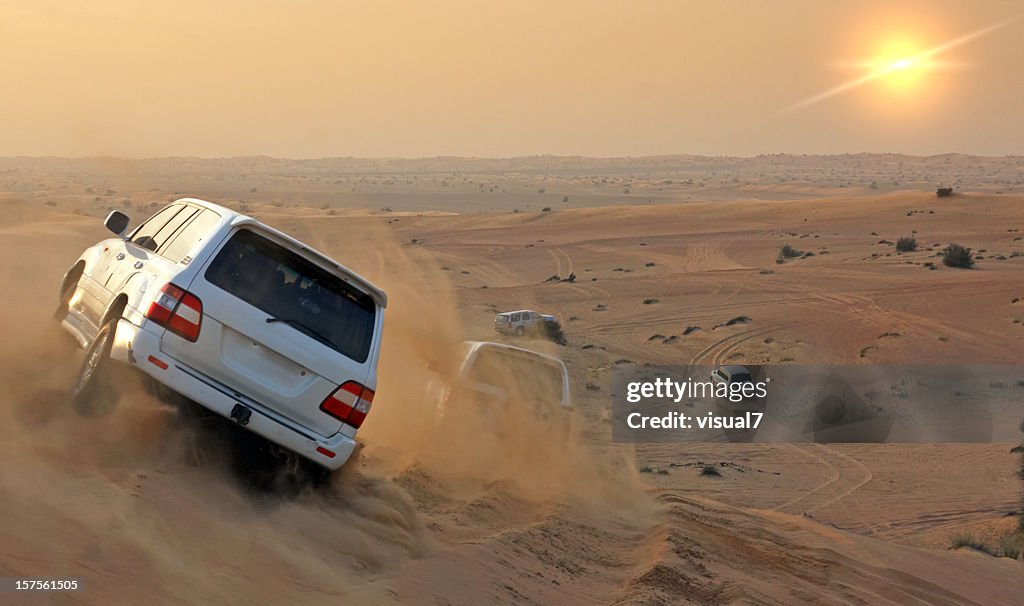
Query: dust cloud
[139,503]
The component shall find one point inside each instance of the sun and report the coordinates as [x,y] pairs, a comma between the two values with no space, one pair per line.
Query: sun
[901,64]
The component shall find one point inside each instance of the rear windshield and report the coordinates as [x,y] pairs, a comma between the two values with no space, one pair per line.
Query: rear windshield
[296,292]
[525,376]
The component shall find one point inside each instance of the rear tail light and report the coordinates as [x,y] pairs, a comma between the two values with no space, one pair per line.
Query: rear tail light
[177,310]
[350,403]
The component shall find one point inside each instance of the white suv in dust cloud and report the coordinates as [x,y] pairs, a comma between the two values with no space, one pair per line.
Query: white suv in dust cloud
[235,316]
[521,322]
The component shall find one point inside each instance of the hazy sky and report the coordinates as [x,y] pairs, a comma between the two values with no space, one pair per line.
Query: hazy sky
[420,78]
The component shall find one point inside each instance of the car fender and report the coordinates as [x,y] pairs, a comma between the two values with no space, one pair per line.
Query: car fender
[90,257]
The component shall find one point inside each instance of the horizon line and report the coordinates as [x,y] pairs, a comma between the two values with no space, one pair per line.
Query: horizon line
[499,158]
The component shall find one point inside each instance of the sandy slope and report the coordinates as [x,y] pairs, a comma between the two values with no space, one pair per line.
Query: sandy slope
[474,518]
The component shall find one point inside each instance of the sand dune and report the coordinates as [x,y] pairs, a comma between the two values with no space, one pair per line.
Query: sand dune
[120,501]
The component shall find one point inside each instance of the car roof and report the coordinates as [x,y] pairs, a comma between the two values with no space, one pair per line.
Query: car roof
[518,311]
[475,345]
[735,370]
[235,218]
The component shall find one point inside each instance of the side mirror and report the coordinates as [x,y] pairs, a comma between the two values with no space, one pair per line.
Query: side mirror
[116,222]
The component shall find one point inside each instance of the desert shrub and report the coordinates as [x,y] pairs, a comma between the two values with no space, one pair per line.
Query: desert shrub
[710,470]
[906,244]
[966,539]
[1011,546]
[787,251]
[553,331]
[955,255]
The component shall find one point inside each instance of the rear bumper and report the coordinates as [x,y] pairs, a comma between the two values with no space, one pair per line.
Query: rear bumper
[140,348]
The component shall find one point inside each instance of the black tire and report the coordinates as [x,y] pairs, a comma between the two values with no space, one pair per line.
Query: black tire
[94,392]
[63,306]
[270,469]
[520,331]
[56,332]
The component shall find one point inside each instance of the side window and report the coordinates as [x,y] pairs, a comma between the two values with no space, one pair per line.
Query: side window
[516,317]
[189,237]
[171,228]
[143,235]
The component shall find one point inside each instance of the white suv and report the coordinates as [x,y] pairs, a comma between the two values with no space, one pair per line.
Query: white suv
[521,322]
[495,375]
[235,316]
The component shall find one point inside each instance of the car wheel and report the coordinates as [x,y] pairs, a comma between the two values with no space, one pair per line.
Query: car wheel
[94,393]
[270,469]
[520,331]
[64,303]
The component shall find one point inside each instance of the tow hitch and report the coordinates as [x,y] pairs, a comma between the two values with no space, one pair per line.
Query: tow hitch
[241,414]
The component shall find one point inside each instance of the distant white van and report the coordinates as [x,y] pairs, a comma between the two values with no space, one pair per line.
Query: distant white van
[521,322]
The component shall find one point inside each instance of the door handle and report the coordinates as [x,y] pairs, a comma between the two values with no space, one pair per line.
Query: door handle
[138,265]
[120,256]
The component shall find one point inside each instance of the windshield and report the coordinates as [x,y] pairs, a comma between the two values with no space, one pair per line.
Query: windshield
[293,290]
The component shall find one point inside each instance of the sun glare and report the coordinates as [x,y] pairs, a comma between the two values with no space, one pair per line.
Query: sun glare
[901,65]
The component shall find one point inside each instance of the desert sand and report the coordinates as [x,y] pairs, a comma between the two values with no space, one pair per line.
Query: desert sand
[123,503]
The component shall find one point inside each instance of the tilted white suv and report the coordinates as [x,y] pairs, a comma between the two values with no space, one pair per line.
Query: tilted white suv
[235,316]
[497,376]
[521,322]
